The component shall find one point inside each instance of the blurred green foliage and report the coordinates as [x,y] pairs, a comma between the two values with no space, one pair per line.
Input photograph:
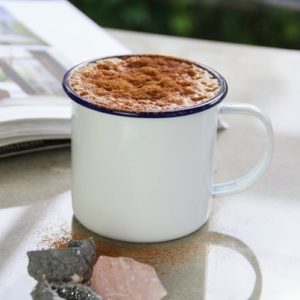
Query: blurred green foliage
[239,22]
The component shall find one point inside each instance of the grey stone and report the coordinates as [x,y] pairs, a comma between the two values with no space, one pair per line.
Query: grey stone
[43,291]
[59,291]
[87,247]
[70,264]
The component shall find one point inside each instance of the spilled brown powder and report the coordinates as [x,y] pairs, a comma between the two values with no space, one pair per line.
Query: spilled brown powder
[144,83]
[53,236]
[156,254]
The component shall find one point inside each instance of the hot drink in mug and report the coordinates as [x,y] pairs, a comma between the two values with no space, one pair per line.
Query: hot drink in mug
[143,134]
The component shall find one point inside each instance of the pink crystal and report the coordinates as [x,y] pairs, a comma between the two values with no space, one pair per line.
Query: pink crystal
[123,278]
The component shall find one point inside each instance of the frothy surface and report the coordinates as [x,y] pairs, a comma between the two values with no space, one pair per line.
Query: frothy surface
[144,83]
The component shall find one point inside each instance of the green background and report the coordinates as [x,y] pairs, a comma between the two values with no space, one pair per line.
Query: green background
[247,22]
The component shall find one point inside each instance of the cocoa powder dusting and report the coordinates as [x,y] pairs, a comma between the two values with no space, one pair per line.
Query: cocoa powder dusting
[144,83]
[155,254]
[54,236]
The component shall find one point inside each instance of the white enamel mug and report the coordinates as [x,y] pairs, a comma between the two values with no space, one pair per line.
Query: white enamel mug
[147,177]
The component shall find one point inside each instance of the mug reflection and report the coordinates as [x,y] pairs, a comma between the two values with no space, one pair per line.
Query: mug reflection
[202,265]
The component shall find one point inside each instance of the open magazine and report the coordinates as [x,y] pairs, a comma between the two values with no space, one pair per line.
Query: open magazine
[39,41]
[34,112]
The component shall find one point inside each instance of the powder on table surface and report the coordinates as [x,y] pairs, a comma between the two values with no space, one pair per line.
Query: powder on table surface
[156,254]
[54,236]
[144,83]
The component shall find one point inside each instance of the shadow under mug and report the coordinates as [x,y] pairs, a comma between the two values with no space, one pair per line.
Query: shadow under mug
[147,176]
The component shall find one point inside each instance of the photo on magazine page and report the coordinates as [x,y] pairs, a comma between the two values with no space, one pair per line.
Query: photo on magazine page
[30,78]
[30,70]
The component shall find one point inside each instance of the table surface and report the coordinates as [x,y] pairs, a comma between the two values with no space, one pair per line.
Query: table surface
[250,246]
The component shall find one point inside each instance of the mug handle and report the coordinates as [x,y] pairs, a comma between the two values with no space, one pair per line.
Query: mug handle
[242,183]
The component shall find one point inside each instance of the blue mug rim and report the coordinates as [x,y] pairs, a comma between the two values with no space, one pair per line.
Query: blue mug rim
[152,114]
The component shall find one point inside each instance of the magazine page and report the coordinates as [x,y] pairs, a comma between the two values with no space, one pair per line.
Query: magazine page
[34,55]
[29,67]
[72,33]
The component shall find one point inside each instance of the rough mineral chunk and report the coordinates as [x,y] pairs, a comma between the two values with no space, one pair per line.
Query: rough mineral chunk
[124,278]
[70,264]
[59,291]
[87,247]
